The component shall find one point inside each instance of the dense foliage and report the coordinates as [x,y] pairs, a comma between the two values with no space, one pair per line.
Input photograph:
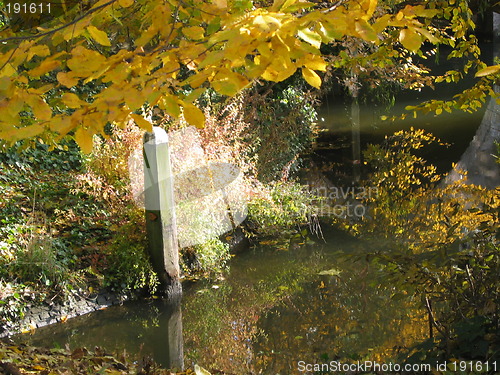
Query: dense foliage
[68,225]
[91,71]
[447,252]
[22,359]
[110,62]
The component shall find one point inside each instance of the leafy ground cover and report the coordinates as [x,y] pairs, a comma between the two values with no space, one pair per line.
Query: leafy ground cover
[23,359]
[62,230]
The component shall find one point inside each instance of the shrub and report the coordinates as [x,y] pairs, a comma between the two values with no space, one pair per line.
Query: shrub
[281,206]
[128,267]
[208,259]
[446,250]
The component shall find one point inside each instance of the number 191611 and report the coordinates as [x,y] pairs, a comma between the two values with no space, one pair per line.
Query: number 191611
[28,8]
[473,366]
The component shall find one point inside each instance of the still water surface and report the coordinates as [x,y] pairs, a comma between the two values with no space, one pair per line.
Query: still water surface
[276,305]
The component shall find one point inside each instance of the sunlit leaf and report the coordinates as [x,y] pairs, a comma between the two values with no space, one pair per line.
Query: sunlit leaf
[198,370]
[99,36]
[142,122]
[410,39]
[45,67]
[365,30]
[330,272]
[72,100]
[194,32]
[488,70]
[311,77]
[194,115]
[310,37]
[67,79]
[84,139]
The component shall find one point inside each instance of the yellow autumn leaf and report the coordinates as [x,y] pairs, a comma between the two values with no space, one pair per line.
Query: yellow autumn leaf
[125,3]
[194,32]
[142,122]
[315,62]
[169,103]
[369,6]
[433,39]
[5,83]
[146,36]
[85,62]
[410,39]
[280,71]
[365,30]
[40,50]
[45,67]
[488,70]
[311,37]
[67,79]
[194,116]
[61,125]
[133,98]
[227,82]
[225,87]
[40,109]
[267,23]
[221,4]
[29,131]
[99,36]
[286,4]
[198,370]
[76,30]
[311,77]
[196,80]
[85,140]
[8,71]
[72,100]
[193,95]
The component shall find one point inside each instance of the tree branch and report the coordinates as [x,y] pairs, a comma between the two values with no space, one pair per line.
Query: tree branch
[93,10]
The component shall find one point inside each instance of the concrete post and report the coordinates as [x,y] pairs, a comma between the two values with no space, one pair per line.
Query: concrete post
[160,211]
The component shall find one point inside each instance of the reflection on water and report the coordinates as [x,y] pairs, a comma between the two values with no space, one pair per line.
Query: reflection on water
[274,308]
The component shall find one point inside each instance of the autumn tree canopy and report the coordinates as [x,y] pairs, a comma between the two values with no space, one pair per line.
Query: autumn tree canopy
[75,68]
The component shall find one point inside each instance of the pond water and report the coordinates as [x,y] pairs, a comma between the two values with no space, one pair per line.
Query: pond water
[302,300]
[346,129]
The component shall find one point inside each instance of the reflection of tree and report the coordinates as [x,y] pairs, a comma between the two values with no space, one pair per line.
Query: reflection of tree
[343,318]
[448,255]
[221,324]
[276,309]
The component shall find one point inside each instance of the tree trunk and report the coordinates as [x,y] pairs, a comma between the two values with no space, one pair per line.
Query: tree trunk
[478,160]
